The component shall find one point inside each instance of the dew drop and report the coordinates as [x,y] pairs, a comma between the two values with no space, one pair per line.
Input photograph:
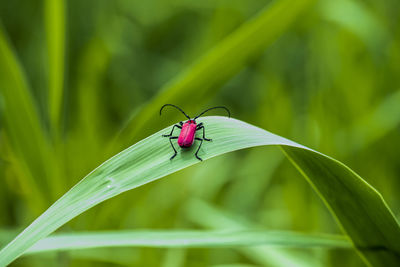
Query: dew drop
[110,182]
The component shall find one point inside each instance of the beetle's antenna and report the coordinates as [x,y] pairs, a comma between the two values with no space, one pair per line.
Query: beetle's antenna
[176,108]
[229,113]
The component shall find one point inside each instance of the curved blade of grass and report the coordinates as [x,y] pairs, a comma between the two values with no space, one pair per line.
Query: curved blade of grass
[360,210]
[186,239]
[358,207]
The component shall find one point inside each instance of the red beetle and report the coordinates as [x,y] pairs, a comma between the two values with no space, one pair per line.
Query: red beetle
[188,131]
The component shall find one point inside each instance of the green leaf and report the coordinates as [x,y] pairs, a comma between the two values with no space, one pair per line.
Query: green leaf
[30,149]
[55,31]
[358,207]
[186,239]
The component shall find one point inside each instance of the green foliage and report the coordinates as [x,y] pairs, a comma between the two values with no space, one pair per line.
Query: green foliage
[55,31]
[23,128]
[185,239]
[226,59]
[358,208]
[82,80]
[351,199]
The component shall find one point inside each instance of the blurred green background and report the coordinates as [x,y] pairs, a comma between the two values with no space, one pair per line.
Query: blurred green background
[81,80]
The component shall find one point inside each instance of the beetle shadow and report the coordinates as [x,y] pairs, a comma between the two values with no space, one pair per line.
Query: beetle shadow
[189,152]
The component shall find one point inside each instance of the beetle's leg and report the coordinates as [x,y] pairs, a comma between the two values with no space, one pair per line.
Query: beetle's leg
[170,140]
[168,135]
[197,151]
[201,126]
[181,123]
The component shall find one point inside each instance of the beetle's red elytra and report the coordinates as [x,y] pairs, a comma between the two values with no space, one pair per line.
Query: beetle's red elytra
[188,131]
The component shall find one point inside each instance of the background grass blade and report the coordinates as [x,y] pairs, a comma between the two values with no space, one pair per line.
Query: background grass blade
[148,160]
[28,144]
[55,31]
[383,118]
[205,215]
[186,239]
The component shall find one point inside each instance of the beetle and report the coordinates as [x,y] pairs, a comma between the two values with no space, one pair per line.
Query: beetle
[188,130]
